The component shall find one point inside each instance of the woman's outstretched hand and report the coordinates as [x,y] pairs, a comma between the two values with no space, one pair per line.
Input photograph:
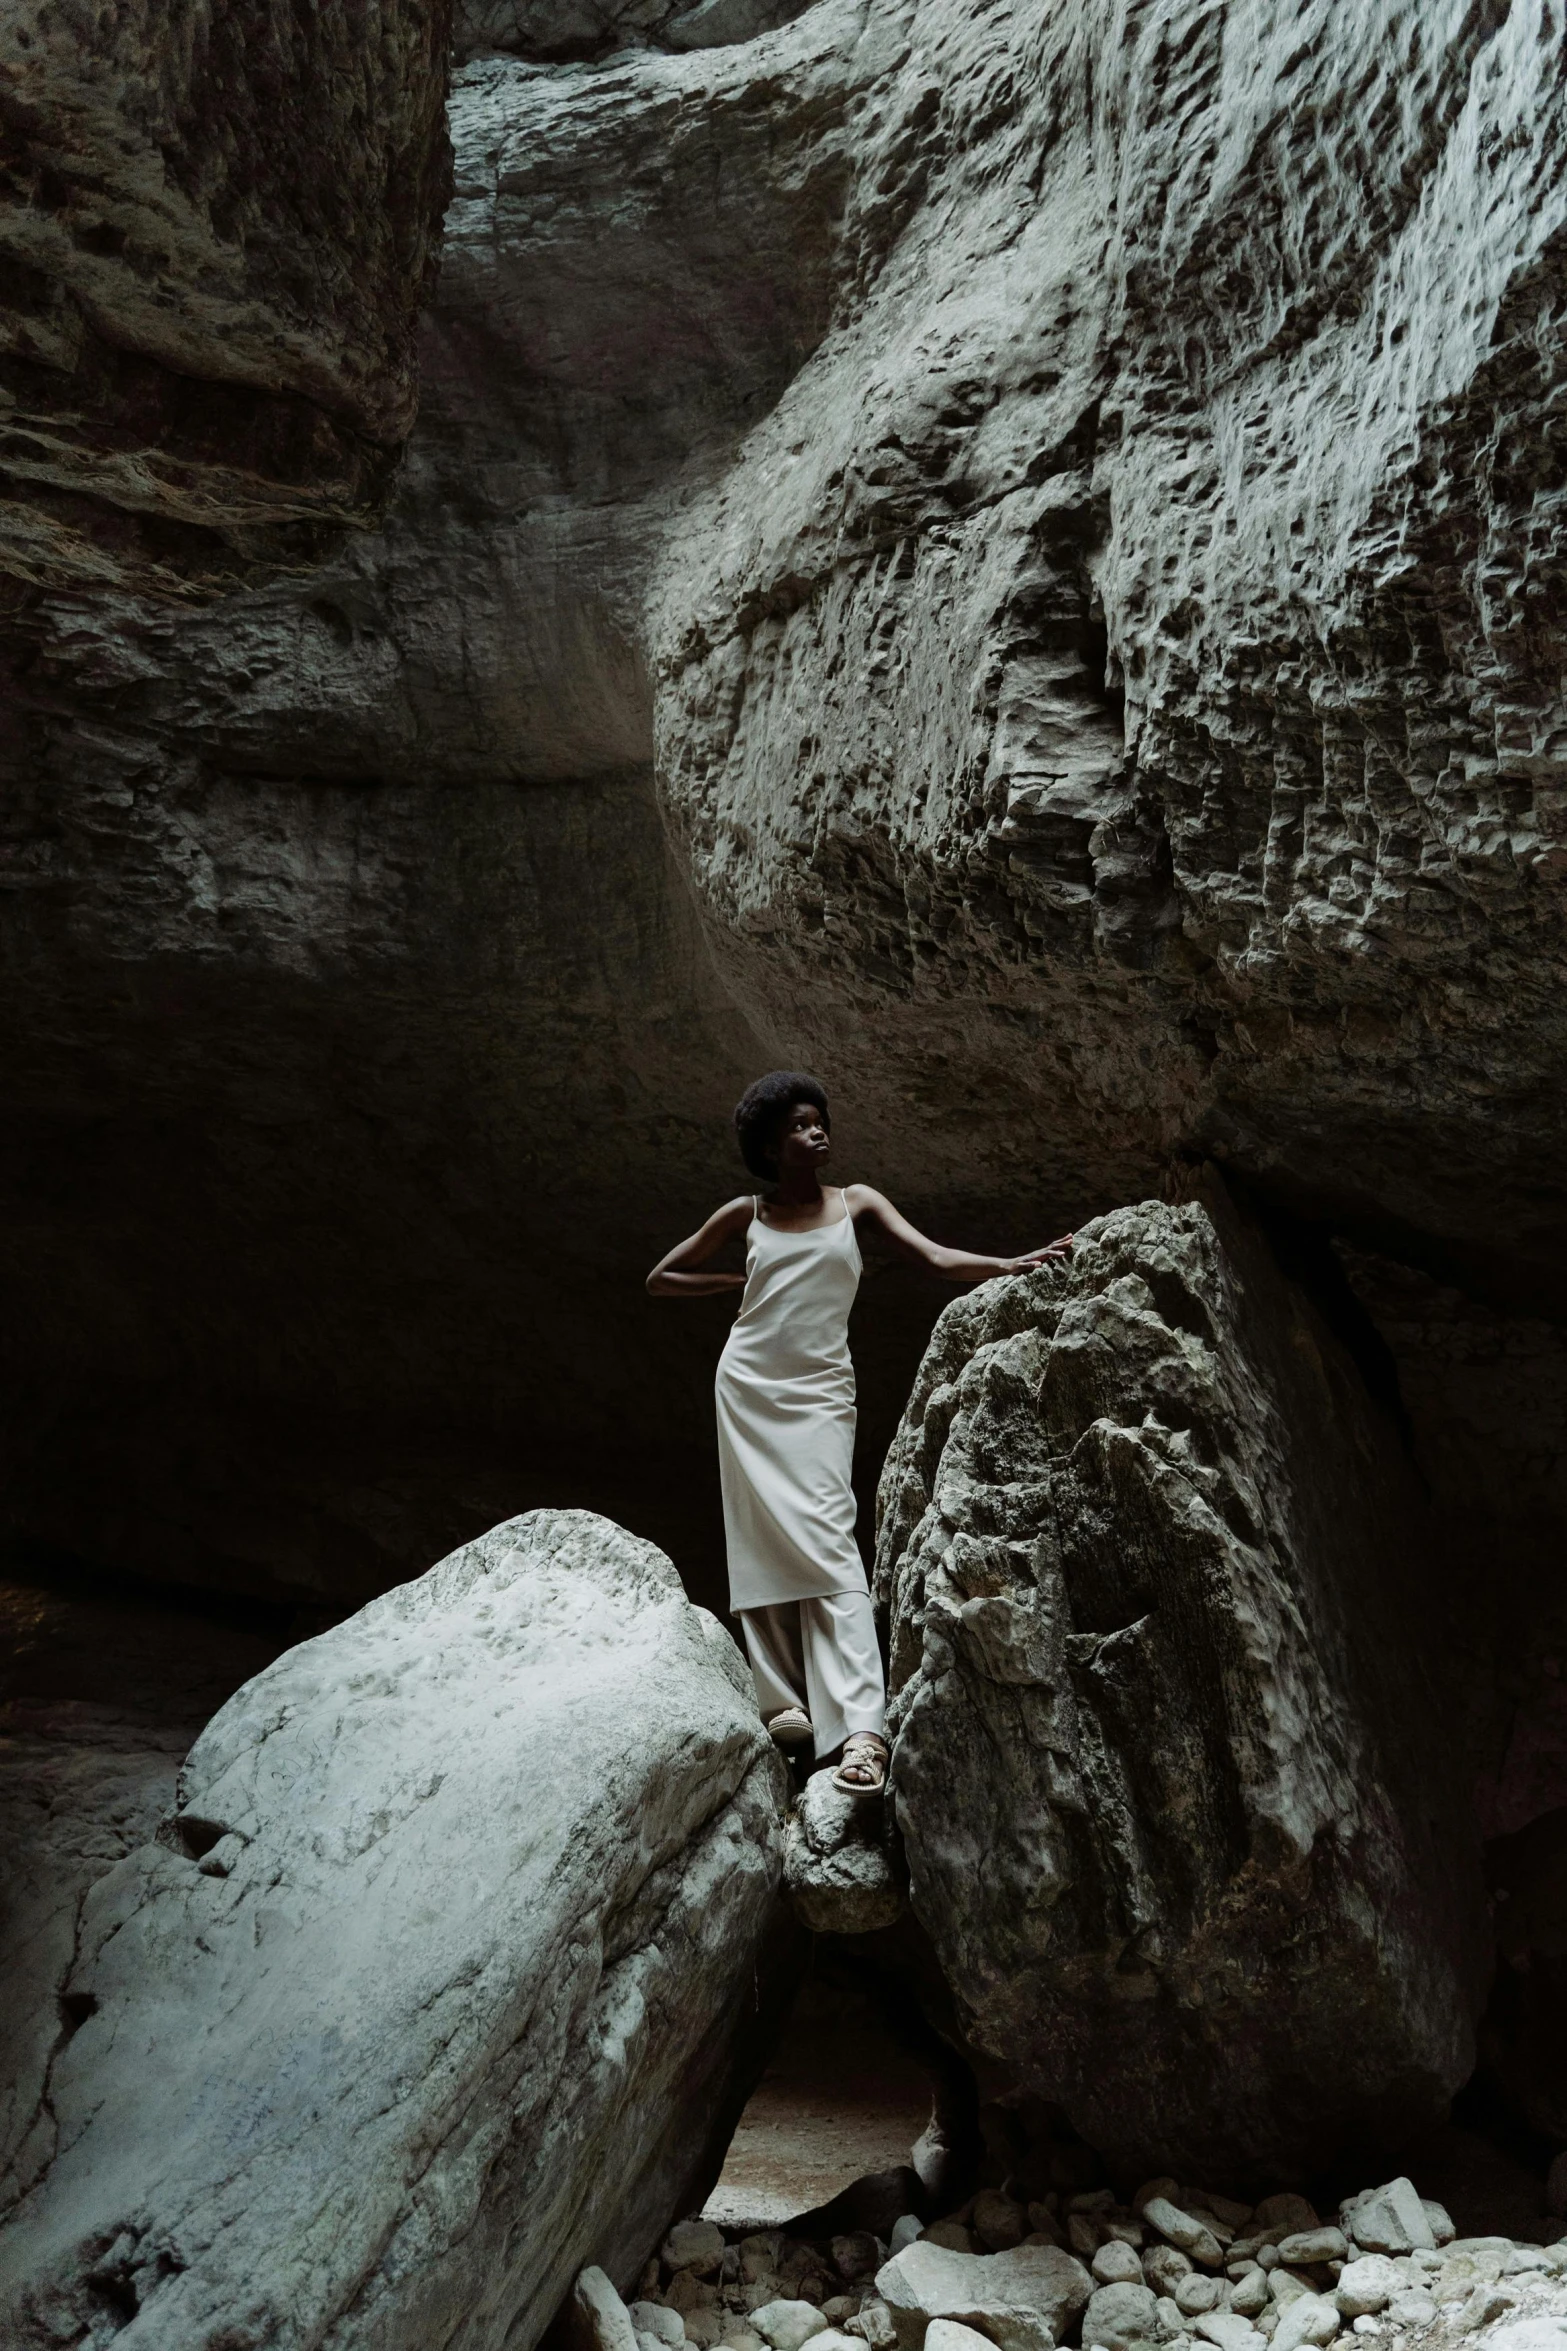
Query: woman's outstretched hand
[1052,1253]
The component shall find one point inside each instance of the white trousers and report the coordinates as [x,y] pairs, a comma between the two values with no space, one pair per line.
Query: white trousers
[820,1654]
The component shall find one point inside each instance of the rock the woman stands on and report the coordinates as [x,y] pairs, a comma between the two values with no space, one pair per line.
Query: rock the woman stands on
[786,1411]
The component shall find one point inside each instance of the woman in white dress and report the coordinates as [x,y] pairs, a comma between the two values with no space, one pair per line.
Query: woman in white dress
[785,1396]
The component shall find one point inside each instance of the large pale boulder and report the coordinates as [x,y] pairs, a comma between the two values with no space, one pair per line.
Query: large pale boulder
[1173,1767]
[433,1989]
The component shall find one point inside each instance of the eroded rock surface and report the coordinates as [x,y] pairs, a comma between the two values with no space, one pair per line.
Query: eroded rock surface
[1098,693]
[1113,703]
[1049,522]
[216,229]
[1173,1765]
[840,1868]
[356,888]
[458,1920]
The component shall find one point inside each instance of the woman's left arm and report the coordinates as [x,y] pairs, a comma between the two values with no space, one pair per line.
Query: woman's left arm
[950,1265]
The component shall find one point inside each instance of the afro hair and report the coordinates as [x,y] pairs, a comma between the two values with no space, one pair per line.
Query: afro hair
[762,1109]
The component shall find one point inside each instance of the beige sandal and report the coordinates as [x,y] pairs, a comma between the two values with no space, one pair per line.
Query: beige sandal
[866,1753]
[791,1728]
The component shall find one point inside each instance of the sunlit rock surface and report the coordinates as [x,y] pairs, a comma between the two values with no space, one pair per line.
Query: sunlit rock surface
[458,1925]
[1175,1764]
[1114,702]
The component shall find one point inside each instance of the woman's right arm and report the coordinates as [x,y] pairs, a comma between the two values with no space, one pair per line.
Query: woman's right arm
[677,1275]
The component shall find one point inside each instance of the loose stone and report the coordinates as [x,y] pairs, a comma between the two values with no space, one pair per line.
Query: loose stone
[874,2325]
[656,2318]
[1022,2299]
[1181,2230]
[998,2221]
[686,2292]
[857,2255]
[1227,2332]
[786,2325]
[1389,2219]
[1284,2216]
[598,2315]
[1310,2318]
[1485,2304]
[1198,2293]
[1367,2285]
[696,2245]
[1118,2317]
[1164,2266]
[1312,2245]
[950,2334]
[1116,2264]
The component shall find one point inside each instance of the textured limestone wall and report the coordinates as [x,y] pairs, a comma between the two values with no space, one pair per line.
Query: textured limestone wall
[216,228]
[1007,555]
[1121,677]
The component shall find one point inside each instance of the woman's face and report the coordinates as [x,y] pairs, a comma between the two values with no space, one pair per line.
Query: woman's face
[803,1140]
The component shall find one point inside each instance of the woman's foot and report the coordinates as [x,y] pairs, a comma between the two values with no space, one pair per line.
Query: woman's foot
[863,1771]
[791,1728]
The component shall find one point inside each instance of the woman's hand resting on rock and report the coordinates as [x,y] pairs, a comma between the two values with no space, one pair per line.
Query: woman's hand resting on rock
[1052,1254]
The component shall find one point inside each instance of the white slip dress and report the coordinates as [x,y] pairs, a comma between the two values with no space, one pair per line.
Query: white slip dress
[785,1397]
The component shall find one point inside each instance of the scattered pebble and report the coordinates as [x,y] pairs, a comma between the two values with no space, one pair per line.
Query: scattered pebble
[1164,2267]
[788,2325]
[1178,2269]
[655,2318]
[1120,2318]
[1312,2245]
[1182,2230]
[695,2245]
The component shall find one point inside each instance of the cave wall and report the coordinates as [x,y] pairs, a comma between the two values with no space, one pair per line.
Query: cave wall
[217,227]
[1006,556]
[1117,691]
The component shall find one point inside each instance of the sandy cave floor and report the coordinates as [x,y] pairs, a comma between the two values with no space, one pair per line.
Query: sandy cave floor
[839,2099]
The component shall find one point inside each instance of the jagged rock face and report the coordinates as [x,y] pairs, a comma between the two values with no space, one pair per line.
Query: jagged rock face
[554,31]
[216,227]
[1115,697]
[1061,488]
[1174,1761]
[458,1921]
[355,995]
